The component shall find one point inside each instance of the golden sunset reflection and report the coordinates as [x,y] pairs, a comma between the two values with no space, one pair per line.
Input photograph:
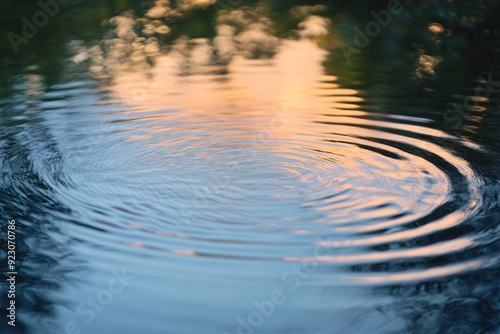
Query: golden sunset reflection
[271,95]
[425,274]
[426,251]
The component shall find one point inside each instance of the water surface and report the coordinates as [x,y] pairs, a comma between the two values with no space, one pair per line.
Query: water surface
[196,169]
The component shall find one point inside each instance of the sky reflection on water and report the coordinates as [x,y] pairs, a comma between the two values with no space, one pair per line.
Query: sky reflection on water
[184,166]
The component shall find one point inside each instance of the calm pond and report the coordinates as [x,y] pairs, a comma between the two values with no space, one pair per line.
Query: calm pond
[240,167]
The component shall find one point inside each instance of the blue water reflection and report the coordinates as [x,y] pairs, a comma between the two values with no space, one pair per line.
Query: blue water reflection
[190,170]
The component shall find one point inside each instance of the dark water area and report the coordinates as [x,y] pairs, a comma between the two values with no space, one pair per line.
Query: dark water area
[269,166]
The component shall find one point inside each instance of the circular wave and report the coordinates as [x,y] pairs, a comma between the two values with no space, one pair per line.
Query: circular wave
[373,197]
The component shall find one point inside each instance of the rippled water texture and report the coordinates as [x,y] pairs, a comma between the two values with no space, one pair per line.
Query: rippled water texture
[252,194]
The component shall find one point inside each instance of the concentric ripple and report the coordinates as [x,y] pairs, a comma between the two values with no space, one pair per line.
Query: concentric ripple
[299,173]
